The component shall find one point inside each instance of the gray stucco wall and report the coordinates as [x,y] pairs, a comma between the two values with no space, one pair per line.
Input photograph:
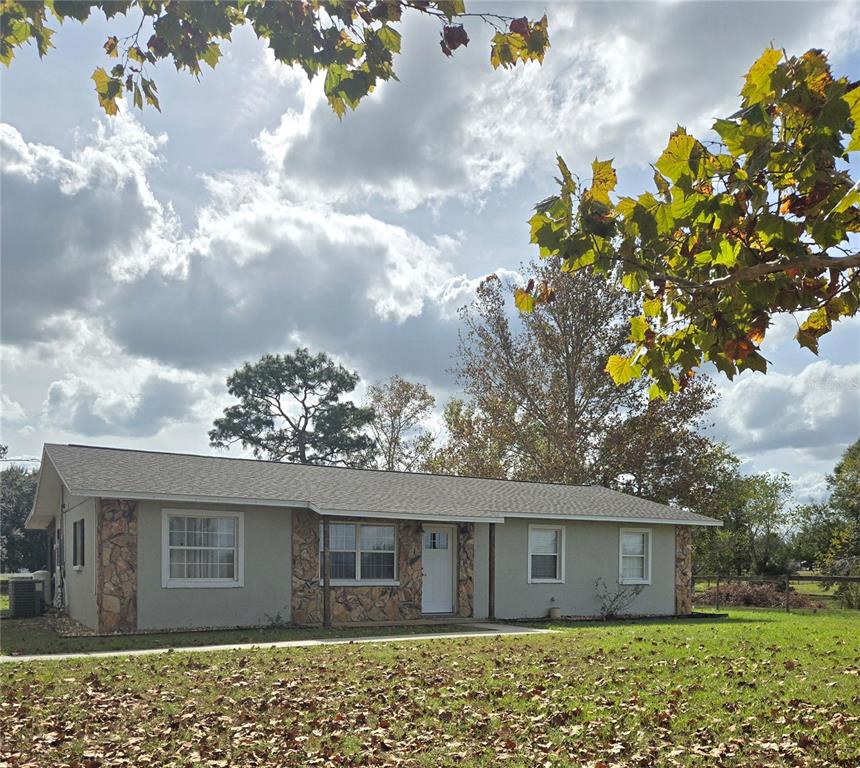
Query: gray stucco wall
[81,582]
[591,551]
[267,568]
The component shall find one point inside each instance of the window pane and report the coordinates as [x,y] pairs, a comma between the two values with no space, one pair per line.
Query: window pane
[543,541]
[342,565]
[177,524]
[441,541]
[377,565]
[632,567]
[377,538]
[633,544]
[225,524]
[192,532]
[544,566]
[223,556]
[342,536]
[177,563]
[428,540]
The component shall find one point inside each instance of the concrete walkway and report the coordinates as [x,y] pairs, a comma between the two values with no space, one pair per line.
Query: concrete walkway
[485,630]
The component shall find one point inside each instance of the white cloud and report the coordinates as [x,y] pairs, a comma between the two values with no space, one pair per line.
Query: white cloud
[12,411]
[79,408]
[12,417]
[816,412]
[72,225]
[616,80]
[261,268]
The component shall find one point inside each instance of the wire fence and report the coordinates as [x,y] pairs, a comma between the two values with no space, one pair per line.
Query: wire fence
[784,581]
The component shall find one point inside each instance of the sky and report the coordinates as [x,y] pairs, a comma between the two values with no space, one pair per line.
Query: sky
[146,256]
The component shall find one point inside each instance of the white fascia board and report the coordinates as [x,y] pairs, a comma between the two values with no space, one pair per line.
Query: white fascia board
[410,516]
[616,519]
[191,499]
[40,522]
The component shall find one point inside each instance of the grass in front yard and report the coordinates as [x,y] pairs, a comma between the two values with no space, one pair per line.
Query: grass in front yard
[758,688]
[34,636]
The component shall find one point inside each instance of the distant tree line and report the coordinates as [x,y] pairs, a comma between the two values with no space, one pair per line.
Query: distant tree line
[20,549]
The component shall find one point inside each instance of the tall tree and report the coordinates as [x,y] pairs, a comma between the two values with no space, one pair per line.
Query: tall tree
[19,548]
[399,424]
[477,443]
[843,551]
[659,451]
[815,527]
[844,484]
[352,43]
[289,409]
[755,513]
[767,513]
[542,408]
[540,384]
[759,223]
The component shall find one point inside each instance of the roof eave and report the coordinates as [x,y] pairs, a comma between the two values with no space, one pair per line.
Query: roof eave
[191,498]
[388,515]
[703,521]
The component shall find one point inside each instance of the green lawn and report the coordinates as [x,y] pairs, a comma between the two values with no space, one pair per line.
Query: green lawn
[31,636]
[758,688]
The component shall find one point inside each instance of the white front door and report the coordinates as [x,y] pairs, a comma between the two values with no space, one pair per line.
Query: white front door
[437,564]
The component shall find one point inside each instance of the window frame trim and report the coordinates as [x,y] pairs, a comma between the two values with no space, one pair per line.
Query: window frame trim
[560,554]
[78,544]
[646,580]
[171,583]
[358,581]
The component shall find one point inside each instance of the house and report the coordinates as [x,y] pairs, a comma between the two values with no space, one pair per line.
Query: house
[144,540]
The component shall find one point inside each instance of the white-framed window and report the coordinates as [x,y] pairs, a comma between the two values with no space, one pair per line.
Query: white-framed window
[78,546]
[202,548]
[634,556]
[546,554]
[361,553]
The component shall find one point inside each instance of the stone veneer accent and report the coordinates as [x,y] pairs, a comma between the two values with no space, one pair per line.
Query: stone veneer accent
[683,569]
[116,565]
[465,569]
[354,603]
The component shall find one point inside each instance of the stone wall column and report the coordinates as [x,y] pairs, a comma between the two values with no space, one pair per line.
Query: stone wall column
[307,593]
[116,565]
[683,569]
[465,569]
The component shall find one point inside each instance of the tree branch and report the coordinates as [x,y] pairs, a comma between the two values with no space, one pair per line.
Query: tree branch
[818,261]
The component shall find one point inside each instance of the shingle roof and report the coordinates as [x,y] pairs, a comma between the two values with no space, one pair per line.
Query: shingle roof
[95,471]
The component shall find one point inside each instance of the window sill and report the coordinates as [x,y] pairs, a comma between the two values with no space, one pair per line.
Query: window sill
[202,584]
[546,581]
[77,567]
[634,582]
[362,583]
